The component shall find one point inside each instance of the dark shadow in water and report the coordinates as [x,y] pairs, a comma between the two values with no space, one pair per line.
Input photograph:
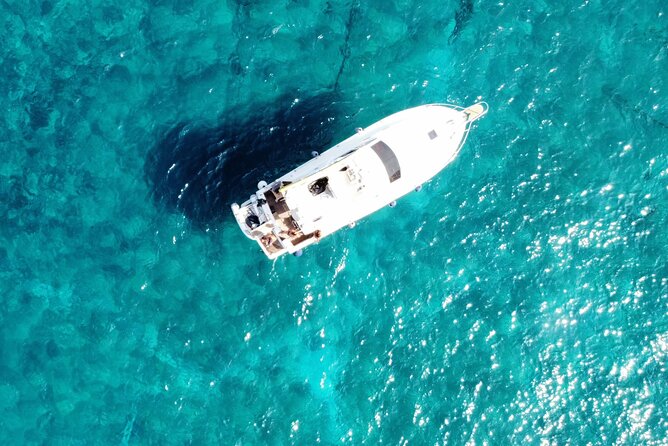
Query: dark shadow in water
[462,17]
[625,106]
[345,49]
[201,170]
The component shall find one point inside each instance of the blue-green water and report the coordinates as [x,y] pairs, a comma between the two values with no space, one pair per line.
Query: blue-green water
[520,298]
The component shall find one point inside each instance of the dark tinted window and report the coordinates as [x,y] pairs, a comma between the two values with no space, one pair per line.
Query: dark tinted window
[389,160]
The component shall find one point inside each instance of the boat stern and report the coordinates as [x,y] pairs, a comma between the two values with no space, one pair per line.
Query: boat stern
[266,218]
[257,223]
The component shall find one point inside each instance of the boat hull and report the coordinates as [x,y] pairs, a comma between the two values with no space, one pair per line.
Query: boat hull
[355,178]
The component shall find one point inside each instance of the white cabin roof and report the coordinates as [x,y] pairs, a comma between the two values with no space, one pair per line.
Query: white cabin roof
[400,155]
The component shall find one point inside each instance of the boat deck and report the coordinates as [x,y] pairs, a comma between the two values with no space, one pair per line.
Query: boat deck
[356,177]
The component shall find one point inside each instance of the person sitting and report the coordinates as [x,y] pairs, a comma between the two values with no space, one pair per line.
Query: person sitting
[267,240]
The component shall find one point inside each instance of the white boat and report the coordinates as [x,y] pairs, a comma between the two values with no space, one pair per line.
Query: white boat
[355,178]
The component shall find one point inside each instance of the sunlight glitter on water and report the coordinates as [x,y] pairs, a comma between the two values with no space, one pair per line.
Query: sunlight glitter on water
[520,297]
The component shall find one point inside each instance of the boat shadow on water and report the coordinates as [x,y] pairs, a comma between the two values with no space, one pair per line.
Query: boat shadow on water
[200,171]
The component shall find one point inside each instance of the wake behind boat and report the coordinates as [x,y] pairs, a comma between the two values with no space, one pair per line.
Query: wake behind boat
[355,178]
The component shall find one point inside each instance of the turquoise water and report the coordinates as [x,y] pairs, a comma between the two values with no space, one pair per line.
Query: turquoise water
[520,298]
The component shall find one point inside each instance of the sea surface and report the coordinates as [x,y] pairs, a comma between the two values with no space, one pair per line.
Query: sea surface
[520,298]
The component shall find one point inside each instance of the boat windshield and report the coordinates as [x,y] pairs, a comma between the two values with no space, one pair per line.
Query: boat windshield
[389,160]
